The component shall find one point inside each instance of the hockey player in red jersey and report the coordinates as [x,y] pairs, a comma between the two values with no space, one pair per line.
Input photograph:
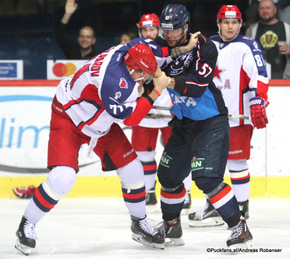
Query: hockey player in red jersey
[240,74]
[144,136]
[85,109]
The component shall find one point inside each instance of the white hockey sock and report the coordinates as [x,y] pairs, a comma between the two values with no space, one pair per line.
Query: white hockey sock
[32,213]
[240,178]
[150,182]
[187,183]
[133,188]
[241,191]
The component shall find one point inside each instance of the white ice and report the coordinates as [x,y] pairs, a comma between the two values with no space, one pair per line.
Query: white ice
[100,228]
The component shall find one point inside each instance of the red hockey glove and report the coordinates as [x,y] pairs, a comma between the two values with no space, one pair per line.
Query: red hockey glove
[258,112]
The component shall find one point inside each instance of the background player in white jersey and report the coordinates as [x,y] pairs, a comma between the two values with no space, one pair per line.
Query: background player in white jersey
[85,109]
[240,74]
[144,136]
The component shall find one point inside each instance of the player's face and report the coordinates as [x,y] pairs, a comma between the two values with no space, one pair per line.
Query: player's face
[174,37]
[86,38]
[125,39]
[229,28]
[267,10]
[149,32]
[140,77]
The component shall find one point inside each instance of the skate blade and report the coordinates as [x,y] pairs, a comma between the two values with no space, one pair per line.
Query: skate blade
[209,222]
[140,239]
[174,242]
[238,247]
[22,248]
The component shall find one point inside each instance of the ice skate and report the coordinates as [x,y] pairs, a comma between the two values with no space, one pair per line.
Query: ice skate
[26,237]
[146,234]
[24,192]
[244,208]
[240,237]
[206,217]
[187,201]
[151,197]
[151,201]
[172,232]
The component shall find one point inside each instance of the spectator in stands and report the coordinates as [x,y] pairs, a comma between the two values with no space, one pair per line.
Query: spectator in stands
[274,37]
[127,37]
[84,47]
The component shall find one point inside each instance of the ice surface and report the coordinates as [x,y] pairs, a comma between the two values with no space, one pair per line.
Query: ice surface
[100,228]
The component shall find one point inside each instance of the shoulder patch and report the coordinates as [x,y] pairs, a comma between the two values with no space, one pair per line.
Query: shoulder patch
[123,83]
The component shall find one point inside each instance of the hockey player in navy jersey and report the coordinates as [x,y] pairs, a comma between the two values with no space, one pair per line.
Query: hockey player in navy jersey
[85,109]
[241,76]
[199,139]
[144,136]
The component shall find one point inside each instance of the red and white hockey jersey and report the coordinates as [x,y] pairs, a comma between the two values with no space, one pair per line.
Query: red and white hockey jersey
[240,74]
[103,92]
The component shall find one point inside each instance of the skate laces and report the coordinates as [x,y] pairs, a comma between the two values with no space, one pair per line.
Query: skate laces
[29,230]
[147,227]
[237,231]
[203,209]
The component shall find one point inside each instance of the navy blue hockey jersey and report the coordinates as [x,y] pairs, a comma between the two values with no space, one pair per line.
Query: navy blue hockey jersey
[195,96]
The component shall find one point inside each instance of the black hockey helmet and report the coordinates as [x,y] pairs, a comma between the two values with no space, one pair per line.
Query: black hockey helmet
[174,16]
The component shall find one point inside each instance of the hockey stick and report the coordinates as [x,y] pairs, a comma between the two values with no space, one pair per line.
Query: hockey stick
[234,116]
[240,116]
[158,116]
[161,108]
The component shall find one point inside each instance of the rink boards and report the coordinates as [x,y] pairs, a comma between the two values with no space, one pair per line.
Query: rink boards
[24,129]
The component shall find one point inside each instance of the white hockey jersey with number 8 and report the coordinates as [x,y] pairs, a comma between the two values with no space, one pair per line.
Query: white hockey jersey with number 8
[240,74]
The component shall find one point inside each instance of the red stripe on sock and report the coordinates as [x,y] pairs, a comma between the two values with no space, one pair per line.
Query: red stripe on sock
[173,195]
[134,196]
[221,194]
[44,202]
[149,167]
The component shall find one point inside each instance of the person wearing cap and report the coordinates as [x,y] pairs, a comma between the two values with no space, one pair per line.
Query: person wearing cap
[244,84]
[144,136]
[85,110]
[199,140]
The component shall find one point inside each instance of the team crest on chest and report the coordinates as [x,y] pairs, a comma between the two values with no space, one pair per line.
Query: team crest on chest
[180,63]
[217,72]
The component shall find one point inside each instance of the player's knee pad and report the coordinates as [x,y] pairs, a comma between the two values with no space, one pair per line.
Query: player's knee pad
[146,156]
[237,165]
[60,181]
[207,184]
[132,175]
